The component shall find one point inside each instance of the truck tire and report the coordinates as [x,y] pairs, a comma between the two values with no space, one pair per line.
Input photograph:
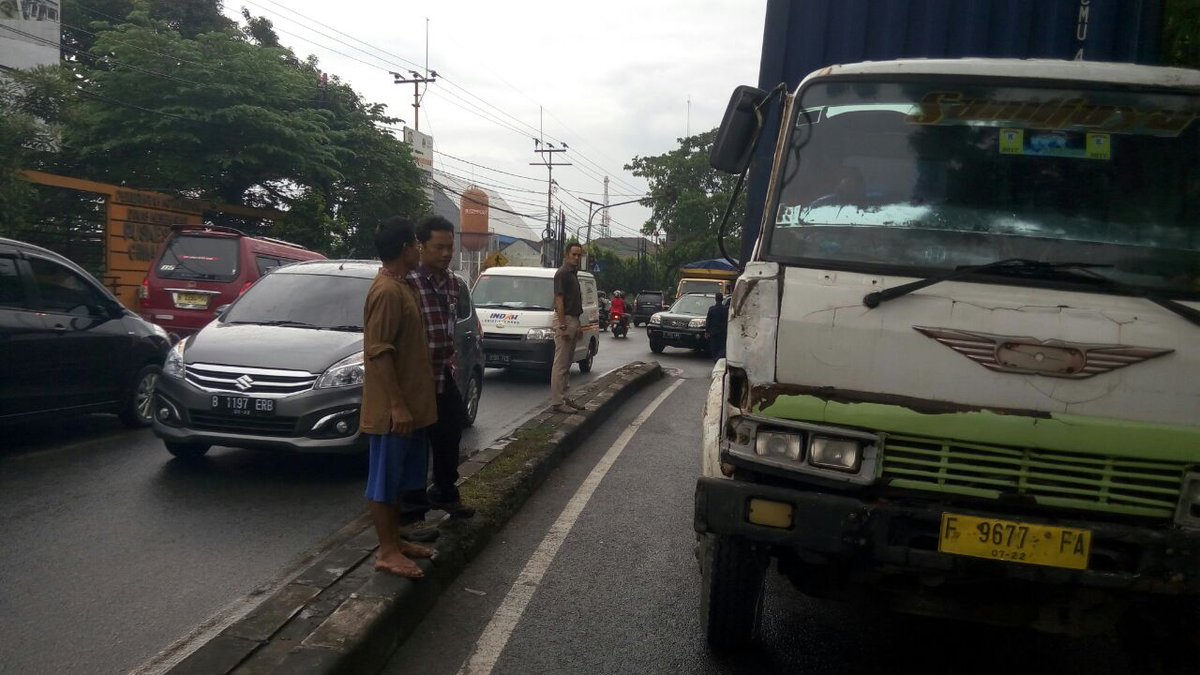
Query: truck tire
[732,578]
[657,346]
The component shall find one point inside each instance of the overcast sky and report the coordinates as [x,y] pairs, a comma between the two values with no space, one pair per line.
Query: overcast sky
[612,79]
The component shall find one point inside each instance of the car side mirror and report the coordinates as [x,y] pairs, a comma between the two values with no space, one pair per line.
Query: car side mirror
[221,311]
[730,151]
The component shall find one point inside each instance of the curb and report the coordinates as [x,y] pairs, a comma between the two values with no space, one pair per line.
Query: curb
[339,616]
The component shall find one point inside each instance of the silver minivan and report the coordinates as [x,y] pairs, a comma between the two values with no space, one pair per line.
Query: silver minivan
[282,367]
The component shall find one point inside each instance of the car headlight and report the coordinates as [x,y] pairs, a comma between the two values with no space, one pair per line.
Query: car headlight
[345,373]
[779,444]
[656,320]
[174,366]
[839,454]
[696,323]
[540,334]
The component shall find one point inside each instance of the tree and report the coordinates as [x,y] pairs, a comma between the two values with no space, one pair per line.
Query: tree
[688,198]
[1181,33]
[31,108]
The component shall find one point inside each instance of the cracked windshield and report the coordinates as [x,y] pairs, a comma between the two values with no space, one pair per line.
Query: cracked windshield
[939,176]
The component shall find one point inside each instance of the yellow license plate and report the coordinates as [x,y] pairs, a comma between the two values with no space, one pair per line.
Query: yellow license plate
[1011,541]
[191,300]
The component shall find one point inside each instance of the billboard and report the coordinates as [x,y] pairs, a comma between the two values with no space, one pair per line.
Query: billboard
[422,146]
[29,33]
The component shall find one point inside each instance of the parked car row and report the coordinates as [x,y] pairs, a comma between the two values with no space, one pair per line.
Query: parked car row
[280,367]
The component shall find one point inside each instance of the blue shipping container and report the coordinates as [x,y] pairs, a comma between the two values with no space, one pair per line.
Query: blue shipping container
[805,35]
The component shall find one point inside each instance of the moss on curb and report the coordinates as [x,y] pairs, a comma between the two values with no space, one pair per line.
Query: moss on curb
[486,490]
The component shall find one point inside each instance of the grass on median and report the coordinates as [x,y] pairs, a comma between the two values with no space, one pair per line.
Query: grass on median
[489,488]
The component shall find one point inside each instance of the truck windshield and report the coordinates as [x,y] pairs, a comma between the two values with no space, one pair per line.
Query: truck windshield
[917,178]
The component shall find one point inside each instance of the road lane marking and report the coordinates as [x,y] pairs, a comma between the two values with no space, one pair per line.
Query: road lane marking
[498,631]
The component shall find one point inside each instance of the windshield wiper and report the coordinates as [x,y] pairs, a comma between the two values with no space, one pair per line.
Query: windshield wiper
[278,322]
[493,305]
[345,328]
[1015,266]
[1078,271]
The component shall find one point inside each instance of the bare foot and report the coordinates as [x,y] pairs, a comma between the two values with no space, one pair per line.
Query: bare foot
[416,550]
[398,564]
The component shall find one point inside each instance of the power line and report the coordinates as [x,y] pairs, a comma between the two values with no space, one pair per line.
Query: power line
[602,171]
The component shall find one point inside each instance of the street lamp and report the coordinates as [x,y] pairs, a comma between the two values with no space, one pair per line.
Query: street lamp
[597,207]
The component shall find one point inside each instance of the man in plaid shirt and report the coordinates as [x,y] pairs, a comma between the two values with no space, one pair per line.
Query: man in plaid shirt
[438,292]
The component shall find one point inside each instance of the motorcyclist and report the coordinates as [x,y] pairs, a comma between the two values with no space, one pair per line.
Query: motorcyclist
[617,307]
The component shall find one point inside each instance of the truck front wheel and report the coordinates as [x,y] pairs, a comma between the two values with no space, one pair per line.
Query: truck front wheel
[732,580]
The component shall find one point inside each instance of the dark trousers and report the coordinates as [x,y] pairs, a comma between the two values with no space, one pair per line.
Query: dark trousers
[444,438]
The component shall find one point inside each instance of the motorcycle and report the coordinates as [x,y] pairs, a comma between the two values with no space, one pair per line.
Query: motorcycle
[619,323]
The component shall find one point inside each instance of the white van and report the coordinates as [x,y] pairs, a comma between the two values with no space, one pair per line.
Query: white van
[516,307]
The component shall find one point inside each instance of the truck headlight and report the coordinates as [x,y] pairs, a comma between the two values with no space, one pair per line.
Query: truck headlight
[174,366]
[839,454]
[345,373]
[779,444]
[1188,513]
[656,320]
[540,334]
[696,323]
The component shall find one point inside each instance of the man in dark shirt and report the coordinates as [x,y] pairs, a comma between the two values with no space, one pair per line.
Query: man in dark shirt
[716,325]
[568,305]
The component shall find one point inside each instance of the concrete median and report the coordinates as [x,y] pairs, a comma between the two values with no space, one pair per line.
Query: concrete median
[340,616]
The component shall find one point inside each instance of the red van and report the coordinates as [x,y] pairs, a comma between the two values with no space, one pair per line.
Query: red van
[202,267]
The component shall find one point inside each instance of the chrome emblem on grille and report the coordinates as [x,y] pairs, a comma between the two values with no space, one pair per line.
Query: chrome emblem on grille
[244,382]
[1031,356]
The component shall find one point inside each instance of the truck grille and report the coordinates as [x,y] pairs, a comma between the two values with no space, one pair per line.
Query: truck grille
[249,381]
[1091,482]
[503,336]
[675,323]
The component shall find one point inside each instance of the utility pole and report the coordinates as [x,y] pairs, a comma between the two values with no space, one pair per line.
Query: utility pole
[416,81]
[547,151]
[606,217]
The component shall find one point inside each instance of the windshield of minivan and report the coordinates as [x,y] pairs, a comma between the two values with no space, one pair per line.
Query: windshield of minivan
[514,292]
[200,258]
[303,301]
[925,177]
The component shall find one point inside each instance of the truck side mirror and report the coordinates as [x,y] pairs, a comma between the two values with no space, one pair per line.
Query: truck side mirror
[735,139]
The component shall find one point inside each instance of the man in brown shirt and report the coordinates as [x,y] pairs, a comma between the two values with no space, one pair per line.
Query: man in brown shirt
[399,398]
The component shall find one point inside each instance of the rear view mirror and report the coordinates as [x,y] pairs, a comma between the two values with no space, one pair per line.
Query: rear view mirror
[735,139]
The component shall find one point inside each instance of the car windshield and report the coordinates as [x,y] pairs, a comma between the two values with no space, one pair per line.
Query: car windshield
[200,258]
[925,177]
[304,301]
[693,304]
[514,292]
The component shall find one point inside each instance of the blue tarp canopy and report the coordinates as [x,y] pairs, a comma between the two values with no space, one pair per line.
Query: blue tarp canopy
[711,264]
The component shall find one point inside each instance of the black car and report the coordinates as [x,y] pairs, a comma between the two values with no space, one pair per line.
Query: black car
[282,367]
[67,346]
[682,325]
[646,305]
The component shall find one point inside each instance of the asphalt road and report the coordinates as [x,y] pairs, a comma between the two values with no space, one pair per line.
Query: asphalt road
[113,551]
[622,593]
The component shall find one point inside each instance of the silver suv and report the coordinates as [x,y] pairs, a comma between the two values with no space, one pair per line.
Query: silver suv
[282,367]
